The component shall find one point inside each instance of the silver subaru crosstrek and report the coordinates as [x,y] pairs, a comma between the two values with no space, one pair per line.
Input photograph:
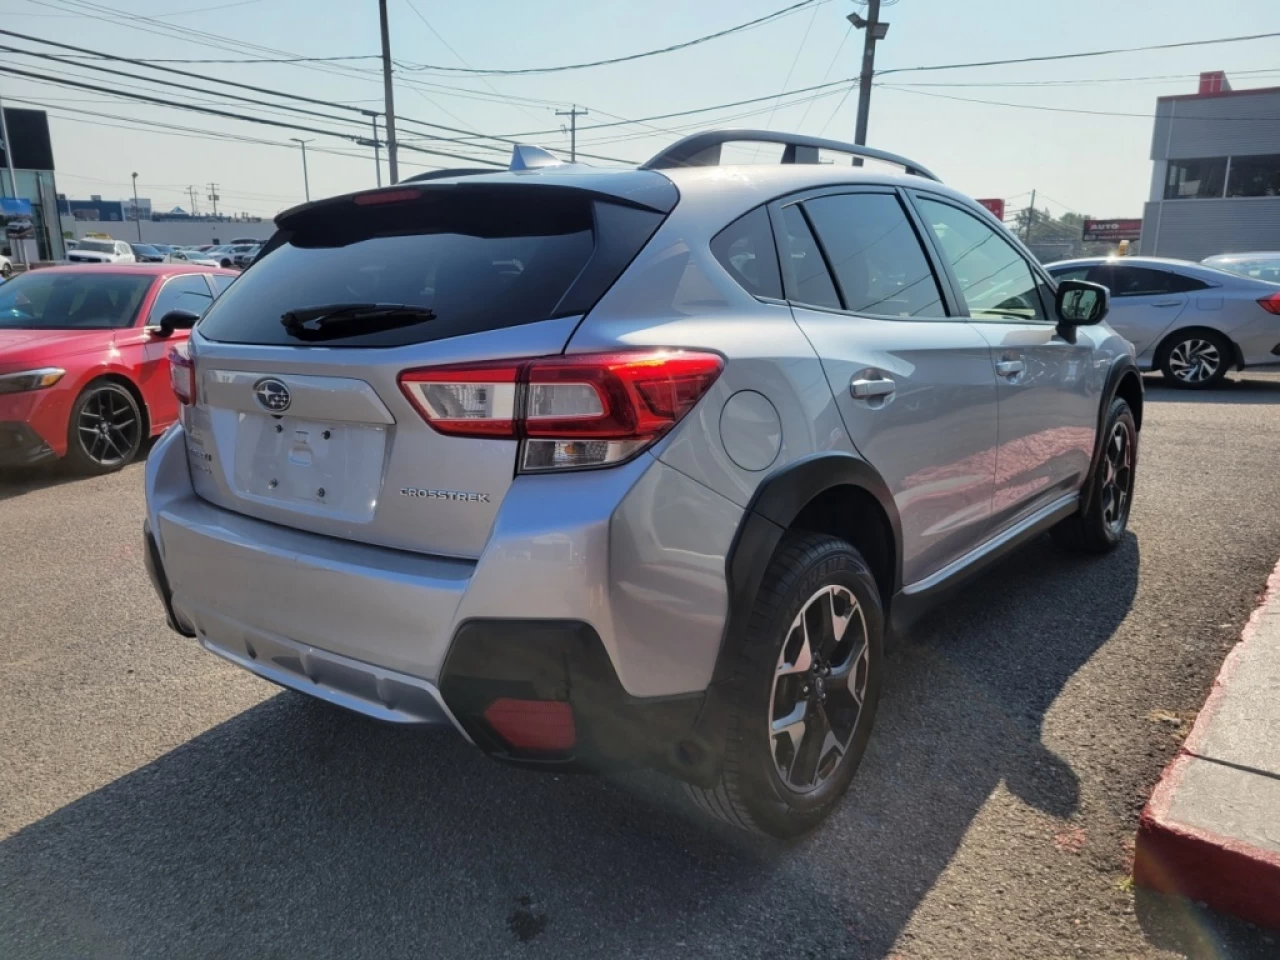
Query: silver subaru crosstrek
[644,466]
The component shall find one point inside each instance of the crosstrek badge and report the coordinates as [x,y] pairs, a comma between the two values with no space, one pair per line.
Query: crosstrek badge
[419,493]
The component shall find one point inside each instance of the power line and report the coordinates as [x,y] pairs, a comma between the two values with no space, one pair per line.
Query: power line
[525,71]
[175,13]
[831,66]
[1047,109]
[1077,56]
[227,114]
[358,56]
[792,69]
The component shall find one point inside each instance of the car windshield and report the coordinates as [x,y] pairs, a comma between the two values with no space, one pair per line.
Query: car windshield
[97,246]
[144,249]
[51,300]
[1259,268]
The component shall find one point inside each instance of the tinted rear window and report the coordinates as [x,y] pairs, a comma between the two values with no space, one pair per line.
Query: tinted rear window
[481,261]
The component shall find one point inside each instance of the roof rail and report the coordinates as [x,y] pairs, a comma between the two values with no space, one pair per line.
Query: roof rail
[703,150]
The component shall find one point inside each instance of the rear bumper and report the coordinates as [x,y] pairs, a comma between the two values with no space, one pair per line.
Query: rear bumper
[580,602]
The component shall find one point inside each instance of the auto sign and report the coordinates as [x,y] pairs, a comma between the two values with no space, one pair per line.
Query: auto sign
[1112,229]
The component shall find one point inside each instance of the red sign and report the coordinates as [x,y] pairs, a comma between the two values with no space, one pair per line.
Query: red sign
[1112,229]
[996,206]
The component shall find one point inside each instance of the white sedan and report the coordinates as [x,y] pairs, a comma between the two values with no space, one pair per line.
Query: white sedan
[190,256]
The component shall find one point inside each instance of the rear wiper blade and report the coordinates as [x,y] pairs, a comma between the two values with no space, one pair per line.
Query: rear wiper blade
[334,320]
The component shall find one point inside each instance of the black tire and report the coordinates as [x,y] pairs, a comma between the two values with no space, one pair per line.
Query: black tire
[91,450]
[6,271]
[752,793]
[1100,527]
[1196,359]
[226,264]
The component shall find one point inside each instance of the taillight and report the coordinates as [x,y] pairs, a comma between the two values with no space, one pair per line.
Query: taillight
[570,412]
[1270,303]
[182,373]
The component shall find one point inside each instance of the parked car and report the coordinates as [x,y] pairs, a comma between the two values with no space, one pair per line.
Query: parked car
[1260,266]
[1190,321]
[6,268]
[237,255]
[246,241]
[93,250]
[146,253]
[192,257]
[84,359]
[643,466]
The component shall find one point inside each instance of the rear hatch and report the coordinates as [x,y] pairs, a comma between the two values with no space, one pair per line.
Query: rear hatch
[299,416]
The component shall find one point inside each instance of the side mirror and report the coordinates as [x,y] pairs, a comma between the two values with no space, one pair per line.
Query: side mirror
[174,320]
[1080,303]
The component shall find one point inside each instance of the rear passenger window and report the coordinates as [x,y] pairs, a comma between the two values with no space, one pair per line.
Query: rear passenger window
[1071,273]
[875,255]
[746,250]
[807,275]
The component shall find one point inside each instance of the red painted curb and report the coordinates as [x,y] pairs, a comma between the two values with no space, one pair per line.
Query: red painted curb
[1230,876]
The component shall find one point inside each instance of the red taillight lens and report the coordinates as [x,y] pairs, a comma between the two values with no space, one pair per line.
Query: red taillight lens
[588,410]
[1271,303]
[182,373]
[536,726]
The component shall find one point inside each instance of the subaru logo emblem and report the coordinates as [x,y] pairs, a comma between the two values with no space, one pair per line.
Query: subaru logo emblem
[272,394]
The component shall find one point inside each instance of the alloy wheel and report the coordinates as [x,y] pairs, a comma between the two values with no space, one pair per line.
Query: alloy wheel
[1117,478]
[1194,360]
[819,687]
[108,426]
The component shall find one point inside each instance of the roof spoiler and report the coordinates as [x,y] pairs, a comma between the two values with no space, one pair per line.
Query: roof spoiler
[703,150]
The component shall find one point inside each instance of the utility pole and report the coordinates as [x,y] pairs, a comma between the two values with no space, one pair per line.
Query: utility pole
[306,184]
[191,192]
[377,157]
[13,180]
[875,30]
[573,116]
[213,197]
[1031,217]
[393,171]
[137,213]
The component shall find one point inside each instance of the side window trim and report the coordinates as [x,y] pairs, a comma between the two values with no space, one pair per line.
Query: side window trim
[1037,271]
[936,263]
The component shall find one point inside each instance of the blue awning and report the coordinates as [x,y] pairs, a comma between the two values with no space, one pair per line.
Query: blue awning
[15,207]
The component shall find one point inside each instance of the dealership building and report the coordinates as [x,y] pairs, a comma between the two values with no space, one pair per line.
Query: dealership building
[32,158]
[1215,184]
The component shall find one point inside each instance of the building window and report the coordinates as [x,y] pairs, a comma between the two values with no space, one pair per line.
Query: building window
[1254,176]
[1189,179]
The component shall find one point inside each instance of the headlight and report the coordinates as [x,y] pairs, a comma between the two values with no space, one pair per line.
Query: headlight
[30,379]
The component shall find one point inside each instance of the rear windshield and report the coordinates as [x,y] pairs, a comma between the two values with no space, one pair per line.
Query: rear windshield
[480,261]
[50,300]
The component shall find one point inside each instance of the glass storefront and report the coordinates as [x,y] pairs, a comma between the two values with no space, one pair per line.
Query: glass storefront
[38,187]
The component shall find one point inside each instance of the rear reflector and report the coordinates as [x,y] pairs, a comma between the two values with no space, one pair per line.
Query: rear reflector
[536,726]
[182,373]
[588,410]
[1271,303]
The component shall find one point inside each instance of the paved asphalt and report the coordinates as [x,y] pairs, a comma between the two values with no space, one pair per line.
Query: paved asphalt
[157,803]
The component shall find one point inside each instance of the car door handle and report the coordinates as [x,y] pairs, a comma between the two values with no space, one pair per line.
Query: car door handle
[865,389]
[1010,368]
[1166,303]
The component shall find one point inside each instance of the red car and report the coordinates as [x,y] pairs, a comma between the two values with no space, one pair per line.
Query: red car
[84,359]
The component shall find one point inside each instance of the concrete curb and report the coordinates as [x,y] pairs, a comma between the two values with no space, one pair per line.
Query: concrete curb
[1230,874]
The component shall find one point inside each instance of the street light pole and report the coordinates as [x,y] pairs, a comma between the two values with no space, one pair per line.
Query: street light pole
[306,184]
[137,214]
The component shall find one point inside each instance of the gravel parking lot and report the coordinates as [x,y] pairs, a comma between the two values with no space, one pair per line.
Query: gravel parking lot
[156,803]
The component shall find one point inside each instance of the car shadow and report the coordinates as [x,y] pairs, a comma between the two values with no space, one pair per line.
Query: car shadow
[17,481]
[293,829]
[1237,388]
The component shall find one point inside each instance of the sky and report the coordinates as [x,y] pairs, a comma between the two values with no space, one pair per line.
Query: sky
[1092,163]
